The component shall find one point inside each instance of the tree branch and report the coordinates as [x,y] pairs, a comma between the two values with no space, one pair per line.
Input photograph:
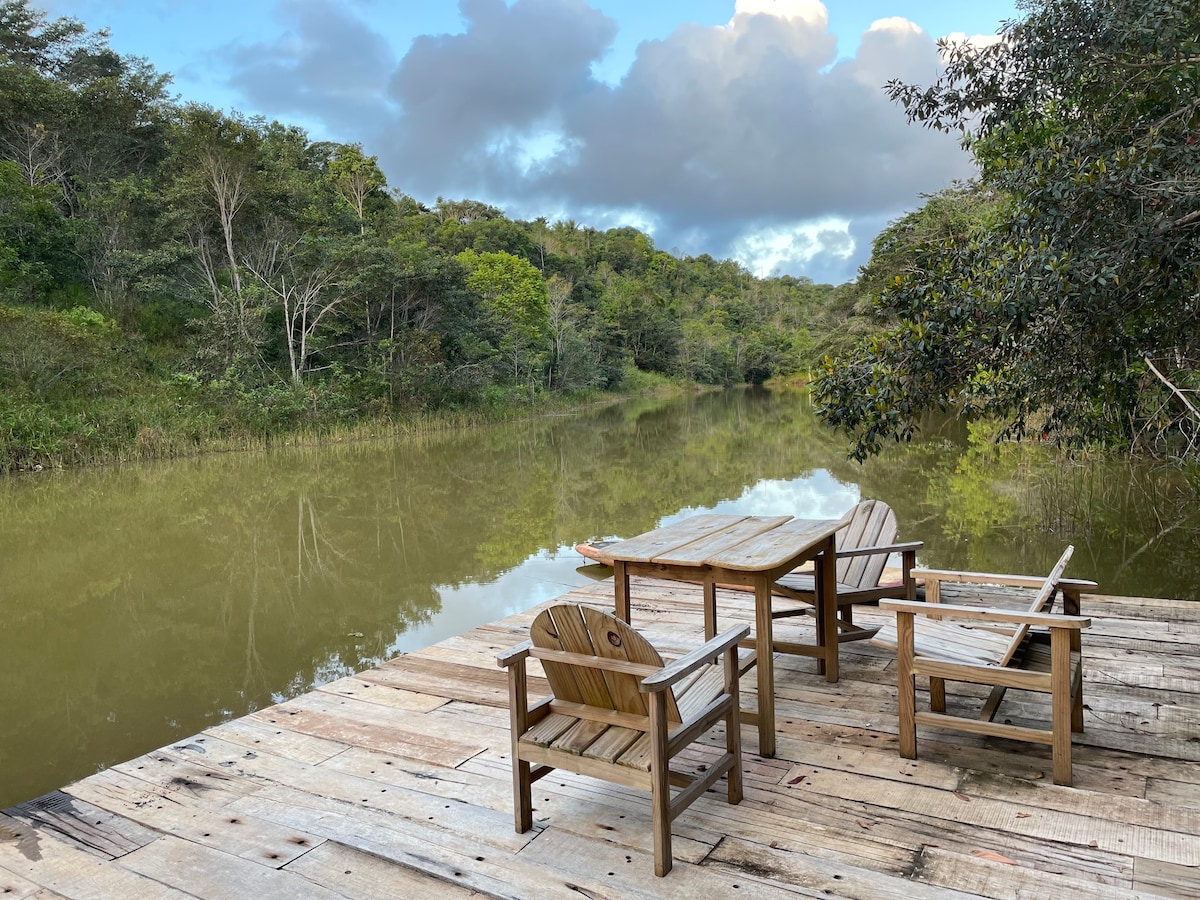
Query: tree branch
[1176,391]
[1191,217]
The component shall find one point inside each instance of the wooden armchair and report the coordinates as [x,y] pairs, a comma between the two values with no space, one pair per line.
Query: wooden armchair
[620,714]
[863,546]
[992,647]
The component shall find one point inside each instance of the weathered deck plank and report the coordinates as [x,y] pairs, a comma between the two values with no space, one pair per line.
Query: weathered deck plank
[363,876]
[204,871]
[397,782]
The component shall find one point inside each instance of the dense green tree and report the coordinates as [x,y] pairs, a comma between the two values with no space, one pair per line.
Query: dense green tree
[356,178]
[30,39]
[79,122]
[308,282]
[515,298]
[34,242]
[950,218]
[1072,313]
[643,317]
[416,306]
[574,360]
[212,175]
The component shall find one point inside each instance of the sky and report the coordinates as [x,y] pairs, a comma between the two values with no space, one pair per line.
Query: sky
[748,129]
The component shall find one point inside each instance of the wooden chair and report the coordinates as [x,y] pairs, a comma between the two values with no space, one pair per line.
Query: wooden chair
[620,714]
[863,546]
[999,650]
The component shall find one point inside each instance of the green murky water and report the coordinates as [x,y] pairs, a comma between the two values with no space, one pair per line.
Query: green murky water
[142,604]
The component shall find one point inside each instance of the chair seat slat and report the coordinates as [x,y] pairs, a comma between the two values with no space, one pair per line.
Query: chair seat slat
[546,731]
[701,691]
[610,745]
[576,739]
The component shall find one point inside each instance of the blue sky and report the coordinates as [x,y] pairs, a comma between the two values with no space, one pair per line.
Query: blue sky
[754,129]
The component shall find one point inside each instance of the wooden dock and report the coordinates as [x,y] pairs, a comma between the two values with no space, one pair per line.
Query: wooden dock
[396,783]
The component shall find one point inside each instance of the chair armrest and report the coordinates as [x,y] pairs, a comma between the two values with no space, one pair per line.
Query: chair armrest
[1079,584]
[881,548]
[1030,581]
[507,657]
[673,672]
[1033,581]
[984,614]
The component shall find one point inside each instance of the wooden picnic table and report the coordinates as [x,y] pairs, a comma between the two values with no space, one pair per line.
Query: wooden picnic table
[717,549]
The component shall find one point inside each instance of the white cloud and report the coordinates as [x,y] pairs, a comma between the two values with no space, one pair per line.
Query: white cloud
[978,41]
[753,137]
[789,248]
[896,24]
[811,11]
[530,150]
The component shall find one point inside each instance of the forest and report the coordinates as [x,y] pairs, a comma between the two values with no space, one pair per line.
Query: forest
[173,277]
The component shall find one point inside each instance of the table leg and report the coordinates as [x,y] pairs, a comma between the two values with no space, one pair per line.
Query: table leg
[819,612]
[765,666]
[826,584]
[621,584]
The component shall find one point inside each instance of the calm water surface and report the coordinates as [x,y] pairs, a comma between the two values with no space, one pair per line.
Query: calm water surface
[143,604]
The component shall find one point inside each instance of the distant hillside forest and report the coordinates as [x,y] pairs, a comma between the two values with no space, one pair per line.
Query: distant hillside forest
[173,276]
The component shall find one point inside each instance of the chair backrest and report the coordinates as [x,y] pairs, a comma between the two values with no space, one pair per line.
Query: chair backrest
[589,632]
[870,523]
[1041,603]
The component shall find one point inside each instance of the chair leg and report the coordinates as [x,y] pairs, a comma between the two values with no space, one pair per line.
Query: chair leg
[1061,714]
[907,695]
[522,796]
[937,694]
[733,733]
[992,706]
[1077,701]
[910,583]
[518,705]
[660,784]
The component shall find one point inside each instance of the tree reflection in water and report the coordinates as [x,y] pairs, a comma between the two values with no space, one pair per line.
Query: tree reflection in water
[145,603]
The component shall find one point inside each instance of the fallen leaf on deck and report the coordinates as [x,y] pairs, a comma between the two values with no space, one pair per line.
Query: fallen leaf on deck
[863,824]
[994,857]
[1023,815]
[963,797]
[1093,843]
[797,779]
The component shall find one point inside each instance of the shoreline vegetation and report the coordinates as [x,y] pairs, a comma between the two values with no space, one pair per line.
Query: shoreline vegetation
[160,444]
[175,439]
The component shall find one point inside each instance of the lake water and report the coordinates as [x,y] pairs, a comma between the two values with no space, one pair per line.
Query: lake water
[143,604]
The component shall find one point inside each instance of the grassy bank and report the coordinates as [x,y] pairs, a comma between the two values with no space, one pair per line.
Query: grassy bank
[75,392]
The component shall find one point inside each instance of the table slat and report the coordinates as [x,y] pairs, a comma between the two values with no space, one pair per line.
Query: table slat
[719,541]
[775,547]
[646,547]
